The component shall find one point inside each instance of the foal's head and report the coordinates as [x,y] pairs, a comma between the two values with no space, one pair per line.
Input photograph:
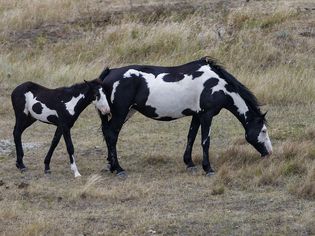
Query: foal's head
[257,135]
[98,96]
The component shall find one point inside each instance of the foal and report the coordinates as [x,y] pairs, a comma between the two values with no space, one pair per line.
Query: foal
[60,107]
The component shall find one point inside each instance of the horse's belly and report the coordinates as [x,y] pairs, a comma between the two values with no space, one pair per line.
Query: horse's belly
[173,103]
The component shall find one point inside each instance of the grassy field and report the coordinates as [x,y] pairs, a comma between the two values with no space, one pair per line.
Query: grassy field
[268,45]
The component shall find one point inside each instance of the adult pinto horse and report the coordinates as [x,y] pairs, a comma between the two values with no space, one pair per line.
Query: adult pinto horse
[199,89]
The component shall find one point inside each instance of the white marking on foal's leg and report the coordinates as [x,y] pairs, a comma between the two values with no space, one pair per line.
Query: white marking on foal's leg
[74,168]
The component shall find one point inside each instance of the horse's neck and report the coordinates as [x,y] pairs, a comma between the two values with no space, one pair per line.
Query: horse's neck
[243,114]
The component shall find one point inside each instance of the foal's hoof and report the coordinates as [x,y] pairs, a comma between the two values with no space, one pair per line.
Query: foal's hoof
[192,169]
[21,167]
[47,172]
[210,173]
[122,174]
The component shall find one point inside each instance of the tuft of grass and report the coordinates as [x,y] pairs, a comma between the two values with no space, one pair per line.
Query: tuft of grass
[307,189]
[88,189]
[293,168]
[217,190]
[238,156]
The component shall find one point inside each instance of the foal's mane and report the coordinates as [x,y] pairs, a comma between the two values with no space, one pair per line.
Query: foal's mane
[241,89]
[83,85]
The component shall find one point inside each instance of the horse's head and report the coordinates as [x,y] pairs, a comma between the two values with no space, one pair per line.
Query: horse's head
[257,135]
[98,96]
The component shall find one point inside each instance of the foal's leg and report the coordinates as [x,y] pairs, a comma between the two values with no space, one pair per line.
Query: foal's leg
[193,130]
[205,121]
[54,144]
[22,122]
[70,149]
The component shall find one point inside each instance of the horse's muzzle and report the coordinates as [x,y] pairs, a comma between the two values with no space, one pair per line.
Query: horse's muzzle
[267,155]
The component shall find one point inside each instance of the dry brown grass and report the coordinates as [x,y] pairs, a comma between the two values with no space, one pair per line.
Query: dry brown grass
[268,45]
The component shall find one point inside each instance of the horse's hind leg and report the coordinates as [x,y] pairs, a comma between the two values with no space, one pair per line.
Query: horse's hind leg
[193,130]
[22,122]
[54,144]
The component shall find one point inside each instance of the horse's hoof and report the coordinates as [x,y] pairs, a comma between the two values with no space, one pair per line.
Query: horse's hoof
[210,173]
[122,174]
[192,169]
[23,169]
[47,172]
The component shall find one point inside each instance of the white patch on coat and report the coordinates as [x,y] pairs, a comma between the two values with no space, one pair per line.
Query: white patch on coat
[170,99]
[237,99]
[30,100]
[112,96]
[74,168]
[72,103]
[263,137]
[102,104]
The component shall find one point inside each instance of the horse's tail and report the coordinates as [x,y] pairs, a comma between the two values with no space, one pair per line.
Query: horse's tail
[104,73]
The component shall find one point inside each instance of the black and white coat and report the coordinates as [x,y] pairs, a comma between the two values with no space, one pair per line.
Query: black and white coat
[60,107]
[199,89]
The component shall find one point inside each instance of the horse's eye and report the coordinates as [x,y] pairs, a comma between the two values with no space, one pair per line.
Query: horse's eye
[264,131]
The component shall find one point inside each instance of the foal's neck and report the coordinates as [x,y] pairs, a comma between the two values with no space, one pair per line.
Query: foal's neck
[82,89]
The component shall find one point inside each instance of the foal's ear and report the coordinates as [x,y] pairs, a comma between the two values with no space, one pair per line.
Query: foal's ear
[264,114]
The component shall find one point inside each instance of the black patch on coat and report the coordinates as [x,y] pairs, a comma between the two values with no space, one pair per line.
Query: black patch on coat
[37,108]
[173,77]
[230,88]
[166,118]
[207,99]
[52,119]
[188,112]
[196,74]
[210,83]
[146,110]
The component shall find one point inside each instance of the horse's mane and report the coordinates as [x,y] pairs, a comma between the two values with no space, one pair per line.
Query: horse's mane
[241,89]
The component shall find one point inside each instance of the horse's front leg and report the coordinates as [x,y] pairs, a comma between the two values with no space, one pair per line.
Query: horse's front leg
[70,149]
[111,131]
[193,130]
[54,144]
[205,121]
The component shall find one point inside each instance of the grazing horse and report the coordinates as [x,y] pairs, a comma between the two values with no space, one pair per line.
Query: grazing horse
[60,107]
[199,89]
